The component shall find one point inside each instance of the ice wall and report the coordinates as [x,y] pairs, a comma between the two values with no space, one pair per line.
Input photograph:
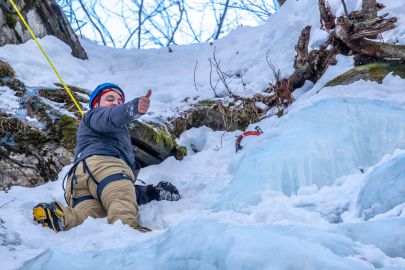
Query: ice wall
[315,145]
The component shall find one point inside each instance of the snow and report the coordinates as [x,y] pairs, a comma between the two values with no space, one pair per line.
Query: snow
[383,188]
[321,188]
[9,102]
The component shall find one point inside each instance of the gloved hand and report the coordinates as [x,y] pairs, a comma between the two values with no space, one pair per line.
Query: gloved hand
[164,191]
[143,104]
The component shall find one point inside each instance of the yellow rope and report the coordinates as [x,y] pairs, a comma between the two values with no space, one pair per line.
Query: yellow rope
[46,56]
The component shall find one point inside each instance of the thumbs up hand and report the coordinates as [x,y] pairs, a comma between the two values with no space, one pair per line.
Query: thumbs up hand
[144,101]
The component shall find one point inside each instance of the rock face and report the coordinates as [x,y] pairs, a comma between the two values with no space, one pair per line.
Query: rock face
[27,156]
[33,166]
[44,18]
[31,152]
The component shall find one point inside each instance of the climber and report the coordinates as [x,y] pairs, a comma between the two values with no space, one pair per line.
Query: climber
[101,181]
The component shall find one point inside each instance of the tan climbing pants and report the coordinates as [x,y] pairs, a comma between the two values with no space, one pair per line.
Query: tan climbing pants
[118,199]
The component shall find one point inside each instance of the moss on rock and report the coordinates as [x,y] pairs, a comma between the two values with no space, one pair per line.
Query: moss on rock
[75,89]
[61,96]
[38,109]
[19,136]
[181,152]
[207,102]
[6,70]
[371,72]
[155,140]
[61,128]
[64,100]
[157,136]
[11,20]
[64,130]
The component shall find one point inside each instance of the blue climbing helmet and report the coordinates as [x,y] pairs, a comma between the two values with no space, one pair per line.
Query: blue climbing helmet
[102,87]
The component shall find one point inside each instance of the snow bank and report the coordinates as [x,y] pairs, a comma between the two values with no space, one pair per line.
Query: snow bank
[215,245]
[384,188]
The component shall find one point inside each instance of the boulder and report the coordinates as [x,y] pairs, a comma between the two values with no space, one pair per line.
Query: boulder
[153,143]
[44,18]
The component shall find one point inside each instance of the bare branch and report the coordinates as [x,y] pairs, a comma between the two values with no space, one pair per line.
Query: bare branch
[221,22]
[181,9]
[276,72]
[345,8]
[92,22]
[140,24]
[4,204]
[223,76]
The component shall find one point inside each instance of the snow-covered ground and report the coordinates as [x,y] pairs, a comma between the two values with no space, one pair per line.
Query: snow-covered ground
[322,188]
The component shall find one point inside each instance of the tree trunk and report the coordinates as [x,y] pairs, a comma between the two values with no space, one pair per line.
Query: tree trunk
[327,18]
[378,49]
[281,2]
[369,9]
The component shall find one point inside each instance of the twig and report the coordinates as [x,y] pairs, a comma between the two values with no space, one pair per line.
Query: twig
[4,204]
[223,76]
[345,8]
[92,22]
[195,70]
[217,148]
[75,18]
[221,20]
[212,87]
[243,82]
[276,73]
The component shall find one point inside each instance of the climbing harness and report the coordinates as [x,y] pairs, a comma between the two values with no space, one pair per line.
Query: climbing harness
[46,56]
[100,184]
[258,131]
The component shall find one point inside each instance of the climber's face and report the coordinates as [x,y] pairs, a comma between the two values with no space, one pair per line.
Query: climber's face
[110,99]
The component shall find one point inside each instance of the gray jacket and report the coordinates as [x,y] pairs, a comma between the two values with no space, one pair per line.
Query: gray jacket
[103,131]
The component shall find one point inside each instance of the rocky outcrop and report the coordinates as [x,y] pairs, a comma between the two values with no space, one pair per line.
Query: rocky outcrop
[32,149]
[27,157]
[228,115]
[44,17]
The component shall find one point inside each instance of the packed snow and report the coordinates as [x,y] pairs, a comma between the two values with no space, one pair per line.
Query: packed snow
[322,188]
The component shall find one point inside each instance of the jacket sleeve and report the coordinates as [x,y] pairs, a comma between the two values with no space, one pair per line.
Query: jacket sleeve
[111,119]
